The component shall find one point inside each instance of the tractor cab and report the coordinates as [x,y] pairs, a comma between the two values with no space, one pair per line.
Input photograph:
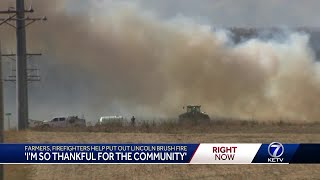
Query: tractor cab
[193,109]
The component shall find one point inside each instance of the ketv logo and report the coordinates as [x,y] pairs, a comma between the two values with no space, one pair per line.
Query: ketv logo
[275,150]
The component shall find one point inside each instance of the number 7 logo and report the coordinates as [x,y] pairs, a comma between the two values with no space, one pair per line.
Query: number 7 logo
[275,149]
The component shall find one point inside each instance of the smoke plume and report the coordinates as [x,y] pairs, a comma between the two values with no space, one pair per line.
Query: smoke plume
[132,61]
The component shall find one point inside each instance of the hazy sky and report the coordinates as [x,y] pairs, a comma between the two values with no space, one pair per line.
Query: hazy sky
[244,12]
[235,12]
[217,12]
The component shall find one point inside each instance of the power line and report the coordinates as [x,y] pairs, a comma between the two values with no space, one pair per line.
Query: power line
[17,15]
[33,74]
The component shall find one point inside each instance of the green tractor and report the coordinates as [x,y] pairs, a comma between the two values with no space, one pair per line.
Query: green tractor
[194,115]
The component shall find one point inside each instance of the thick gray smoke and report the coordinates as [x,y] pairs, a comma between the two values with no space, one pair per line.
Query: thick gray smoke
[124,59]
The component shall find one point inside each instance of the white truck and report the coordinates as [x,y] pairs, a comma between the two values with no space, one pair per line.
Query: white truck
[63,122]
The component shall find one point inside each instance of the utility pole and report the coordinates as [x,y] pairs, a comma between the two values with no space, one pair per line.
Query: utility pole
[22,85]
[1,114]
[18,15]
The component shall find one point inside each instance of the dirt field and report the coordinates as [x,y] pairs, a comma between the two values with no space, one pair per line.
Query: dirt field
[48,172]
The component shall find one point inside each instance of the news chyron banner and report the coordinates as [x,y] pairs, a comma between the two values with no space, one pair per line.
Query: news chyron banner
[203,153]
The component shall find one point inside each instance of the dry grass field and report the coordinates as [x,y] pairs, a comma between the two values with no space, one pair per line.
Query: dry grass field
[243,133]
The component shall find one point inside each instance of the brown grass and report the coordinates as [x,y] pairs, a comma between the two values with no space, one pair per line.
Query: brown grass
[169,133]
[217,126]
